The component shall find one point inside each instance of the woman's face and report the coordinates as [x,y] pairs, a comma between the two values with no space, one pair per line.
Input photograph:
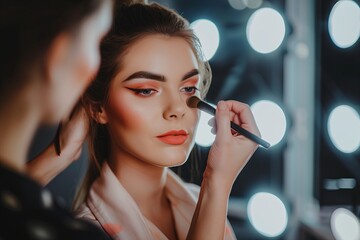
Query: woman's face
[146,115]
[74,72]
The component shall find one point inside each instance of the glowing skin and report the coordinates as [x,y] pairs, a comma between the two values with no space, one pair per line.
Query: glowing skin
[147,100]
[79,61]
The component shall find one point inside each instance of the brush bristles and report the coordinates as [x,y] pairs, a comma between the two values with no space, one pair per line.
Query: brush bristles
[193,101]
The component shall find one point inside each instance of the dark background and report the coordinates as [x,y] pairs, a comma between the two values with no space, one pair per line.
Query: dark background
[338,82]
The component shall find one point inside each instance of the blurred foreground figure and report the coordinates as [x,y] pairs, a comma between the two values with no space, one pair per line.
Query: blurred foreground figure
[49,52]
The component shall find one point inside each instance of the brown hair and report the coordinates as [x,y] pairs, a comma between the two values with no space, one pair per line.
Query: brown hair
[131,23]
[27,29]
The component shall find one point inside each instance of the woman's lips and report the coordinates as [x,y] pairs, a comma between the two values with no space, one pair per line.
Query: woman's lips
[175,137]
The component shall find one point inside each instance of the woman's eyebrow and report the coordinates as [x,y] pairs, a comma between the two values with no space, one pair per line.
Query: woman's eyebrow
[190,74]
[159,77]
[147,75]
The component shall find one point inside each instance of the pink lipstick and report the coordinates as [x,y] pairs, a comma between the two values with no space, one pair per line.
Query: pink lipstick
[174,137]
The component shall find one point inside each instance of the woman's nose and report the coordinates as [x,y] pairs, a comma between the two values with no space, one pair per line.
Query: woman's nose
[175,108]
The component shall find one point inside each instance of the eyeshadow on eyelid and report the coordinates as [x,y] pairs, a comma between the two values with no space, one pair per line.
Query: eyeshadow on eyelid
[192,80]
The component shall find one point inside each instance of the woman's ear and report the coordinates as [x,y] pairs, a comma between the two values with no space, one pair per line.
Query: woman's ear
[98,113]
[102,116]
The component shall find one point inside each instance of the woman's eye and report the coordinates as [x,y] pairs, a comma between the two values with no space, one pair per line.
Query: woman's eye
[143,91]
[190,90]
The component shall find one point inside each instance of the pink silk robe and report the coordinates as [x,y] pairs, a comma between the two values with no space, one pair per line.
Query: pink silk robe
[111,207]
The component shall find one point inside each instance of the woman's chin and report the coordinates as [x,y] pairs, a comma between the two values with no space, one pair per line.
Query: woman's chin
[172,163]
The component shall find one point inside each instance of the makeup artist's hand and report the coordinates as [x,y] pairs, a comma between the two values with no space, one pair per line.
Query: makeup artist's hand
[230,152]
[227,157]
[73,133]
[48,164]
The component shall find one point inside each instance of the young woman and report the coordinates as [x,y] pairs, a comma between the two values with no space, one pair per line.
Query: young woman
[140,125]
[49,52]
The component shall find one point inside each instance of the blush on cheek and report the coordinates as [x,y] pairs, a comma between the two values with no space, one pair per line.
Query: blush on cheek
[123,111]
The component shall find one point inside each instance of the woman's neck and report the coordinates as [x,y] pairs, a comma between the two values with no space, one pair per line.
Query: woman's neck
[146,184]
[18,123]
[143,181]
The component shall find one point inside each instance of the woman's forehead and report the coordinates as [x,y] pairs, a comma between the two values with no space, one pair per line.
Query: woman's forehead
[160,52]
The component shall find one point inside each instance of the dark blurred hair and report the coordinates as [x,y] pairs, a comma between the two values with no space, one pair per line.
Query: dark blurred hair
[27,29]
[131,23]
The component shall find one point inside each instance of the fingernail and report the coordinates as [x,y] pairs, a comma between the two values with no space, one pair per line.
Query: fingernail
[222,105]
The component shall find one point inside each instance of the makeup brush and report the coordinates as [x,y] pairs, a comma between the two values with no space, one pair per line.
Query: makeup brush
[195,102]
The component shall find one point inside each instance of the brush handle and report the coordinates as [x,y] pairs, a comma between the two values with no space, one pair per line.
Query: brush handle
[211,110]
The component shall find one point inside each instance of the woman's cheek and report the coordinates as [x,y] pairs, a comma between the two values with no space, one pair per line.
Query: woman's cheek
[126,111]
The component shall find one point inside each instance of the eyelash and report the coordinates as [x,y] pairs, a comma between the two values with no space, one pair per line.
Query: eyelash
[143,91]
[146,92]
[192,88]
